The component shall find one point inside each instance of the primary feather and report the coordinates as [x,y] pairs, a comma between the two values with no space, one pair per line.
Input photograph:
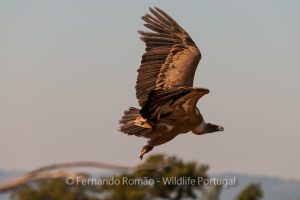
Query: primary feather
[171,56]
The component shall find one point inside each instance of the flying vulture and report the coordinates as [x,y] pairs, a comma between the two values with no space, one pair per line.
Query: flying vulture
[164,86]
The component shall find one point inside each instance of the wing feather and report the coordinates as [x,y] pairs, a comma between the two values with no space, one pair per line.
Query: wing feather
[171,56]
[163,101]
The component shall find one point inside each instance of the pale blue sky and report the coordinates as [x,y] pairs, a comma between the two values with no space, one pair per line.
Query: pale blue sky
[68,70]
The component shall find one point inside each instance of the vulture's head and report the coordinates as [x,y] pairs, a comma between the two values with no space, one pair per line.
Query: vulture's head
[210,128]
[204,128]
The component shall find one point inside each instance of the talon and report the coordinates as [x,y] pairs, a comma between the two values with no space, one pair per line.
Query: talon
[145,150]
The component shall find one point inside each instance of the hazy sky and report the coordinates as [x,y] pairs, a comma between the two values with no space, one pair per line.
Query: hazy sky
[68,70]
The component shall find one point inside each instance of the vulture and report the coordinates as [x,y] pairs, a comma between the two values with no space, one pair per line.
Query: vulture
[164,86]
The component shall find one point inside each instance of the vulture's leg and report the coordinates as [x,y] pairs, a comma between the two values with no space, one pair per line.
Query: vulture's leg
[145,150]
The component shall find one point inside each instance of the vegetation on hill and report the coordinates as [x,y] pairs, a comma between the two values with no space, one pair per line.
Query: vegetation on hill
[178,180]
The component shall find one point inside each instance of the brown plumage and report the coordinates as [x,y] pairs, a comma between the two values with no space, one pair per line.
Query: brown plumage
[164,86]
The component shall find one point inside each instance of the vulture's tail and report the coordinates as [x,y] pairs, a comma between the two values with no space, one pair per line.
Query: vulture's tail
[132,123]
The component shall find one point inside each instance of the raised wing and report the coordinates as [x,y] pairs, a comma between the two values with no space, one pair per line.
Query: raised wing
[171,56]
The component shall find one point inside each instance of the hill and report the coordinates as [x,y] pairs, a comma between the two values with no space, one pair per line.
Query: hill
[274,188]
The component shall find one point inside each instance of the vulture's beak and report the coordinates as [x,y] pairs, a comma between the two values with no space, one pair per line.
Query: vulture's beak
[220,128]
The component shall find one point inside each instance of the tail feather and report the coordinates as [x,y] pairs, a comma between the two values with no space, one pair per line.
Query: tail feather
[129,126]
[130,115]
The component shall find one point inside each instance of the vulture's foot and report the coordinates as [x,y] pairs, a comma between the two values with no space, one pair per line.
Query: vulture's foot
[145,150]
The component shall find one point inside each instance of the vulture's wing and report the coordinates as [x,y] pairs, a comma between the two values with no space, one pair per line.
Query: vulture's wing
[171,56]
[163,102]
